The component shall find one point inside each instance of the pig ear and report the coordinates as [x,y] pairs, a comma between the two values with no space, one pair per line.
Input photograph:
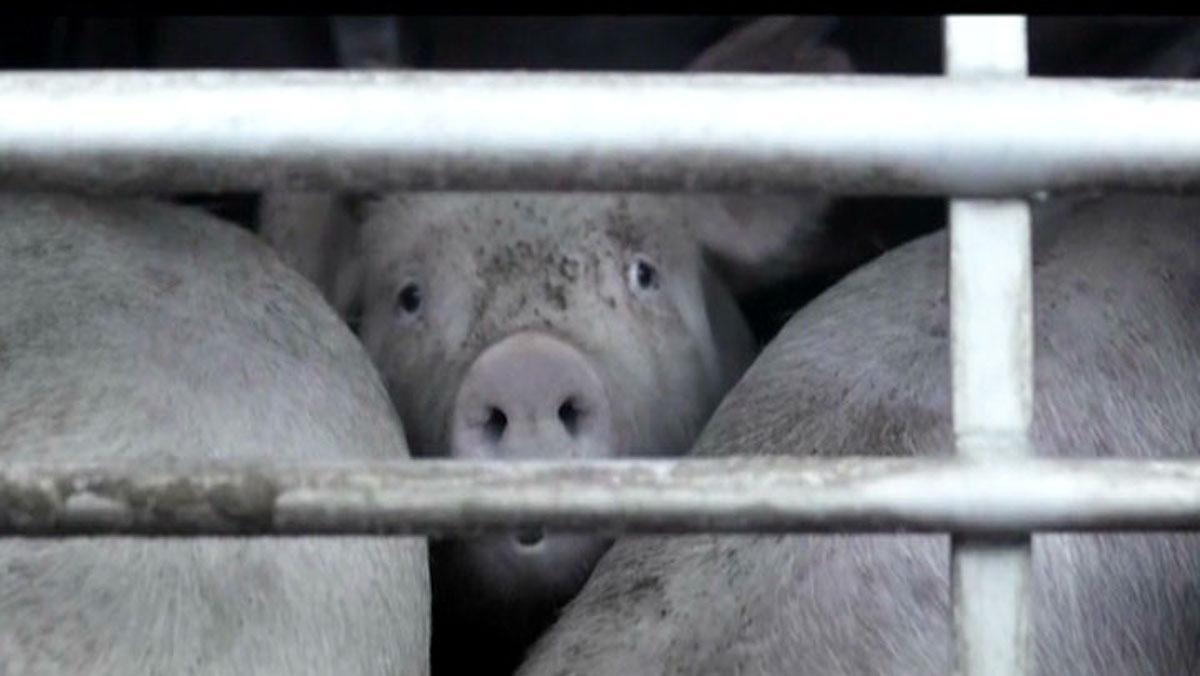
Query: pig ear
[777,44]
[759,239]
[318,234]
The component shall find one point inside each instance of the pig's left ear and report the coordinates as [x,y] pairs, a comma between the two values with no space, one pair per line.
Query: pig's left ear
[758,239]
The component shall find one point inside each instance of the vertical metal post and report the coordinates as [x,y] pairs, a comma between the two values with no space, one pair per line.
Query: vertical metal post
[991,339]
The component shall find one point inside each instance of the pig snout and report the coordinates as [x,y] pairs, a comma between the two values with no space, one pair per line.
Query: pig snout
[531,395]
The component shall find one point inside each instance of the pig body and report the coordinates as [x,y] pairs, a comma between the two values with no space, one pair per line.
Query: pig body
[864,369]
[138,332]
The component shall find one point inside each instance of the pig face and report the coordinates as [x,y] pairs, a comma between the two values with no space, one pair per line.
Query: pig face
[512,326]
[509,326]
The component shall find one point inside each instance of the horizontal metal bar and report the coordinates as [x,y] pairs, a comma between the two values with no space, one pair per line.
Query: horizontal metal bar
[745,494]
[220,131]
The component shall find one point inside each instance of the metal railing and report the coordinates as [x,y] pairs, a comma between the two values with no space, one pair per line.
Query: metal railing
[960,136]
[991,357]
[776,494]
[985,132]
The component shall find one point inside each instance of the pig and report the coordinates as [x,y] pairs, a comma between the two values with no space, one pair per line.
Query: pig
[534,325]
[864,369]
[134,331]
[549,325]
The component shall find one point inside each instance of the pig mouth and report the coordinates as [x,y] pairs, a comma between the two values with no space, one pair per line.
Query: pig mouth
[530,538]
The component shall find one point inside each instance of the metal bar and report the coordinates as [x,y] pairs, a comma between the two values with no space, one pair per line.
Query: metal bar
[221,131]
[991,339]
[775,494]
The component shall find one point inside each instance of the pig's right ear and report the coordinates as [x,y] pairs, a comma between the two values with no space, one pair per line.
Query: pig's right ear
[319,235]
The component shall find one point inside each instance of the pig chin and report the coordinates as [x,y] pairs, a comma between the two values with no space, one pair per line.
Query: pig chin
[525,574]
[509,588]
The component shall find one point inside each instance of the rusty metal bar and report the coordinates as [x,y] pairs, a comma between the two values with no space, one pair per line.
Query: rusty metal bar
[991,344]
[744,494]
[216,131]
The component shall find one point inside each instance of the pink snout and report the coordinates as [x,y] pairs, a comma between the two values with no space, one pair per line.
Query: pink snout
[531,395]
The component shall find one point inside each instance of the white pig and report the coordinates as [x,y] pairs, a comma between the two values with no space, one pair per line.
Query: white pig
[865,369]
[550,325]
[137,332]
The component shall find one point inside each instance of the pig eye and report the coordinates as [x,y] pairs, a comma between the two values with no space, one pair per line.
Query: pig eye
[643,276]
[408,301]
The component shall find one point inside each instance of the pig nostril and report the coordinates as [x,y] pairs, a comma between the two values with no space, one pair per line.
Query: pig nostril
[496,423]
[529,538]
[569,415]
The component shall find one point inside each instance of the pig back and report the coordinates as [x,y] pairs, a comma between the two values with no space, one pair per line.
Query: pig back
[864,370]
[134,331]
